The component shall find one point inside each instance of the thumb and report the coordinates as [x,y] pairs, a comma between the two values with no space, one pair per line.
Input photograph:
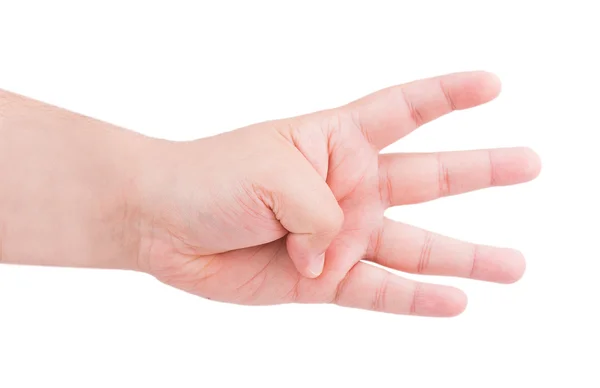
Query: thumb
[307,208]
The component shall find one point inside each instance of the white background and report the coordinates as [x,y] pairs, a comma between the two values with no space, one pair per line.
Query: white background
[184,70]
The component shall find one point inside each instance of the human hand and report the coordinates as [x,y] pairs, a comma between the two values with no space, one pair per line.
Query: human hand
[246,216]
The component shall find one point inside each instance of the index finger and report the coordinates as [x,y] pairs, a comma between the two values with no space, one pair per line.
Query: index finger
[390,114]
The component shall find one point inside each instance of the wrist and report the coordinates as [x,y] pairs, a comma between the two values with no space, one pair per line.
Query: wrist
[68,183]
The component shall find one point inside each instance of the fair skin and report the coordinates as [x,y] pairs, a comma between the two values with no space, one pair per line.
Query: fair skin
[284,211]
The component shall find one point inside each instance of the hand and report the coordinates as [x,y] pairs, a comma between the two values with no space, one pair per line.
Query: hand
[289,210]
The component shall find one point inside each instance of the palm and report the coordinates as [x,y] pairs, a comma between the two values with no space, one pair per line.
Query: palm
[365,183]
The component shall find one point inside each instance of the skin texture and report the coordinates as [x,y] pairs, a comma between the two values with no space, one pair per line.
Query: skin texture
[287,211]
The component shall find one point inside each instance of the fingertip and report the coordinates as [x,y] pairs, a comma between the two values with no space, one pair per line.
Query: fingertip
[515,165]
[473,88]
[499,265]
[516,269]
[488,85]
[315,266]
[491,82]
[441,301]
[533,167]
[301,250]
[458,304]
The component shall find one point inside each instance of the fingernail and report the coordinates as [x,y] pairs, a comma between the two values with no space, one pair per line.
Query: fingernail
[315,266]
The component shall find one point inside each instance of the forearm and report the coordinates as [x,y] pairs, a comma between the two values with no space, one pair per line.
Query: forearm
[67,188]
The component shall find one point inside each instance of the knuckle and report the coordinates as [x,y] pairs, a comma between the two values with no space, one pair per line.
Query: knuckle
[379,299]
[492,168]
[444,182]
[374,247]
[416,299]
[474,261]
[448,96]
[414,112]
[425,254]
